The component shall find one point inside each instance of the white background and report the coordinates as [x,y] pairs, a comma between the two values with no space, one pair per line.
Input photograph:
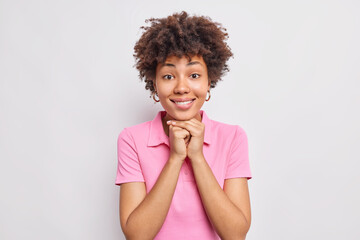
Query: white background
[68,87]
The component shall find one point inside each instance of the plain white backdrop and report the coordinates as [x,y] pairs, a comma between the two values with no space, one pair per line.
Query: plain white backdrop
[68,87]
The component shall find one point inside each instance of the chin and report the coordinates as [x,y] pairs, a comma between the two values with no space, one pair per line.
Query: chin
[183,116]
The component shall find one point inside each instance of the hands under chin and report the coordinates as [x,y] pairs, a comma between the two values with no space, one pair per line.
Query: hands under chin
[187,137]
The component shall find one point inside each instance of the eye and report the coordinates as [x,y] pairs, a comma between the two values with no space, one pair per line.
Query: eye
[195,75]
[168,77]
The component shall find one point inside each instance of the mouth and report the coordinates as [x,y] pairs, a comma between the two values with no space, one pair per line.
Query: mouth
[183,104]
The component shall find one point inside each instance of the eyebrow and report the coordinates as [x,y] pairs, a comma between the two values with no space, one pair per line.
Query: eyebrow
[189,64]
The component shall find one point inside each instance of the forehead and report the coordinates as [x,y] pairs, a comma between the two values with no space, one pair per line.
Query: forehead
[183,60]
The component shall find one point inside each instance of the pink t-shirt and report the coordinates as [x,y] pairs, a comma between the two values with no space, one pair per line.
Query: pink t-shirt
[143,150]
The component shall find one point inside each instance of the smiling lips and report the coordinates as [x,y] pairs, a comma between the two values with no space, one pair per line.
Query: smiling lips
[183,103]
[182,99]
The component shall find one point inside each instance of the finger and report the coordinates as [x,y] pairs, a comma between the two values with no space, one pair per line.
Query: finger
[192,127]
[183,124]
[180,132]
[194,120]
[188,139]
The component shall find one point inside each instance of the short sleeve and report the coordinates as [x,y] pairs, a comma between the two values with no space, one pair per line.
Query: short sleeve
[129,169]
[238,162]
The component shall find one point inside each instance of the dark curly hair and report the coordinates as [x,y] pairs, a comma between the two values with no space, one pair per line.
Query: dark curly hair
[181,35]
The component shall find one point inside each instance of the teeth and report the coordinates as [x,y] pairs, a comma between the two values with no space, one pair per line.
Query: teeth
[183,103]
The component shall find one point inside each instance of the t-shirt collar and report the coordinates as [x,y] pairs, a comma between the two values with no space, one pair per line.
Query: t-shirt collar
[157,134]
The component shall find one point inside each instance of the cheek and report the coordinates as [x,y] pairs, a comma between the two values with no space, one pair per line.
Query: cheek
[200,89]
[163,90]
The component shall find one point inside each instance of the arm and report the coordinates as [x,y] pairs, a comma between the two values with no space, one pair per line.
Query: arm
[141,215]
[228,210]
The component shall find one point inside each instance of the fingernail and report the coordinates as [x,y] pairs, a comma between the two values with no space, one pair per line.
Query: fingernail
[168,121]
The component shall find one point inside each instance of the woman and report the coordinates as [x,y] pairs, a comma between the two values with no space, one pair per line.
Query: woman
[183,175]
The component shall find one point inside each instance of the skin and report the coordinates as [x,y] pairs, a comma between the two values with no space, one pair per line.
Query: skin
[179,78]
[142,215]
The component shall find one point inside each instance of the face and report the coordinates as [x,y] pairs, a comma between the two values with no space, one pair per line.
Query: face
[182,86]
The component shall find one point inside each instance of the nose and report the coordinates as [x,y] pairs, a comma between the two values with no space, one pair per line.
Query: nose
[182,86]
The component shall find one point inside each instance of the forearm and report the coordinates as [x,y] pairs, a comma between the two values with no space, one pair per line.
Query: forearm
[147,219]
[228,220]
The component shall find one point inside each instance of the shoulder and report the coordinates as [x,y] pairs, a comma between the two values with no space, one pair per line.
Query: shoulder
[138,130]
[226,128]
[225,134]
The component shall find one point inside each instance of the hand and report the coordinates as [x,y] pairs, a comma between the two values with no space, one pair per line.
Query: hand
[196,140]
[179,138]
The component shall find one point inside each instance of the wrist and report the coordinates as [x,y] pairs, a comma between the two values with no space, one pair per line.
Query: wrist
[197,157]
[177,158]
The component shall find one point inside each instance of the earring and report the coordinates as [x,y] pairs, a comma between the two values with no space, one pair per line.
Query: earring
[153,95]
[209,96]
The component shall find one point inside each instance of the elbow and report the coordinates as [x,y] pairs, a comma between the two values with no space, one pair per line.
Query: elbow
[247,227]
[134,234]
[243,234]
[241,231]
[238,236]
[245,230]
[244,227]
[135,237]
[127,232]
[130,235]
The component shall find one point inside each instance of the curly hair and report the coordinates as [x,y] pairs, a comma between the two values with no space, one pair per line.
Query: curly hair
[181,35]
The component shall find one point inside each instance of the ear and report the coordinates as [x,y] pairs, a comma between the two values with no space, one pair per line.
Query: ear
[154,85]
